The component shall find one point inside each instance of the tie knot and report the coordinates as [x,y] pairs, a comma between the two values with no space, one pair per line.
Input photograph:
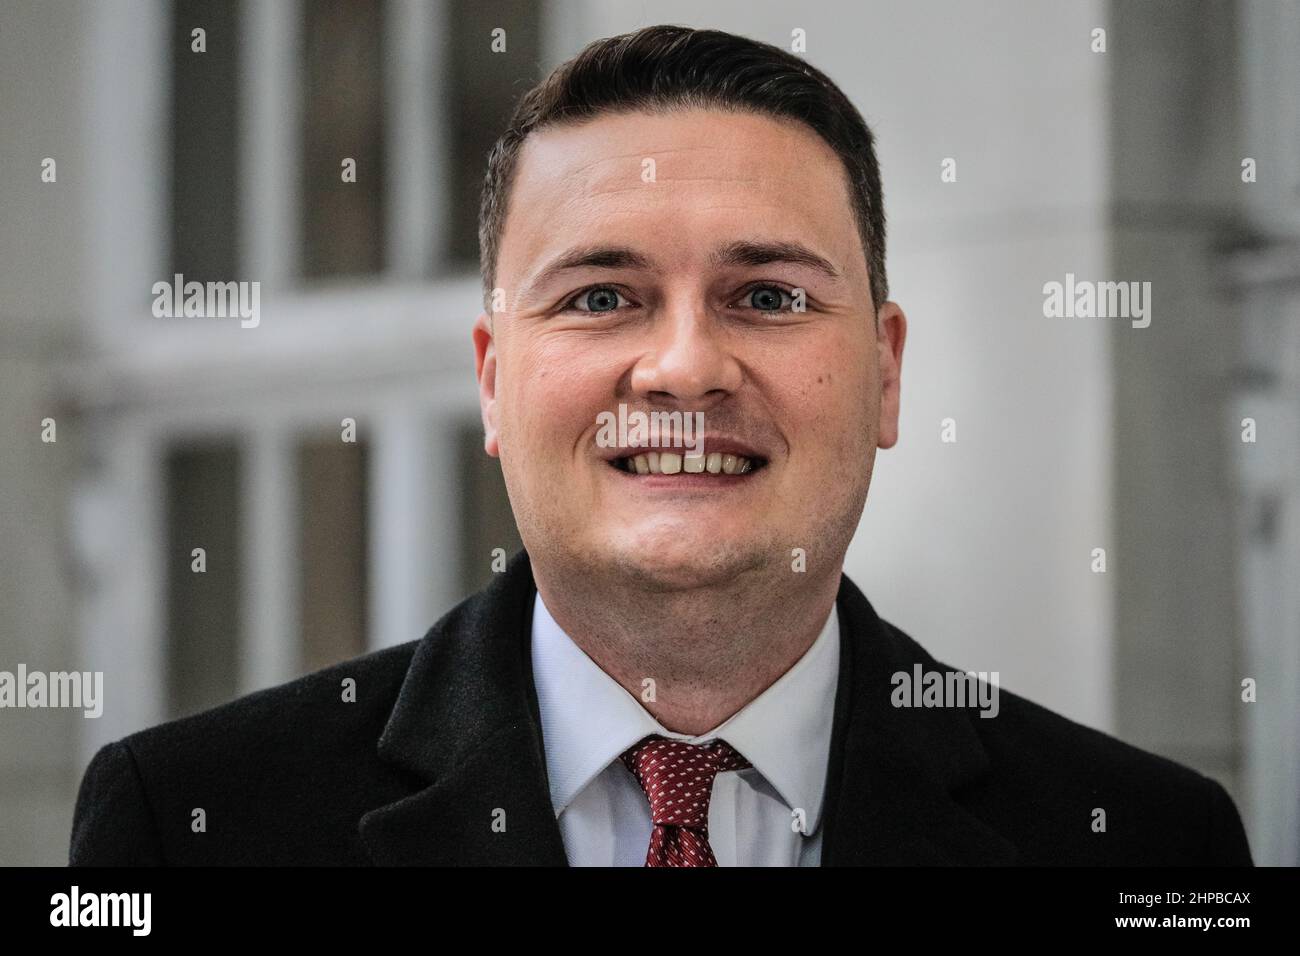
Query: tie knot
[677,777]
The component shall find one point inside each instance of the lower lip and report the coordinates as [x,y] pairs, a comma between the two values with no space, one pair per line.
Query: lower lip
[686,481]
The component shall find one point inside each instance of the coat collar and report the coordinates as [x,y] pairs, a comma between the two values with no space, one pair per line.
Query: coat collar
[466,725]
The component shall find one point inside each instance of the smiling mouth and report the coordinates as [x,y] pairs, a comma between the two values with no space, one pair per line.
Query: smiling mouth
[672,463]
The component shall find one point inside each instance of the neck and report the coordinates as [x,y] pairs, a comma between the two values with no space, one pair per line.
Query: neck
[709,651]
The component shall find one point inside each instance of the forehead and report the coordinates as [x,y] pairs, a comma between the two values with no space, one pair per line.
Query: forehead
[675,185]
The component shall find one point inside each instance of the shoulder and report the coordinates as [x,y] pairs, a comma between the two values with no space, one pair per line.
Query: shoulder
[316,712]
[284,775]
[274,772]
[1072,793]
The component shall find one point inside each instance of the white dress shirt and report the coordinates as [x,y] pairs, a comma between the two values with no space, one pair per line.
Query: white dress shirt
[588,720]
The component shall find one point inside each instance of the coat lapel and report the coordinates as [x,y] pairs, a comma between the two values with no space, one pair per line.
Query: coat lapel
[466,724]
[893,771]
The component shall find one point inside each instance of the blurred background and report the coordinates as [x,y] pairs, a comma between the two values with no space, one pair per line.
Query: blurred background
[1072,434]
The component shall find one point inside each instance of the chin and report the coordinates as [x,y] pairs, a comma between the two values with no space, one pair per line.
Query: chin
[683,561]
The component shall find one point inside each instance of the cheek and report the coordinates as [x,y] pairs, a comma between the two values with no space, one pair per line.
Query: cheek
[551,395]
[836,404]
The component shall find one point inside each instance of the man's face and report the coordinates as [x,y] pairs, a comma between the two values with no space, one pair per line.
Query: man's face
[683,302]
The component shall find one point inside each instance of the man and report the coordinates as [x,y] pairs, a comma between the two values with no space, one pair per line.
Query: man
[684,226]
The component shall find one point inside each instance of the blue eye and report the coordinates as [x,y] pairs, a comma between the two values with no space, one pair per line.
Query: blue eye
[767,298]
[598,300]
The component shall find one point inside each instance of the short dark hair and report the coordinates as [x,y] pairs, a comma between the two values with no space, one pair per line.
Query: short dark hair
[662,68]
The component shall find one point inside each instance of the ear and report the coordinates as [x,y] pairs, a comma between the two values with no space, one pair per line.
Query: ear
[891,333]
[485,367]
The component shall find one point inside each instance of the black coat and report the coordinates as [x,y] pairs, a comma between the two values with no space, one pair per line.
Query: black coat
[445,732]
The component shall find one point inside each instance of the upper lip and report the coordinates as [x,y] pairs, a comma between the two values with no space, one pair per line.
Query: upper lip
[713,442]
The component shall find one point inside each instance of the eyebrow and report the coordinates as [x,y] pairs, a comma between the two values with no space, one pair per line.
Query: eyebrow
[588,257]
[748,253]
[743,252]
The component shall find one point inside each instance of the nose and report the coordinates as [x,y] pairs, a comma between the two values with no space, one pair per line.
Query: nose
[690,361]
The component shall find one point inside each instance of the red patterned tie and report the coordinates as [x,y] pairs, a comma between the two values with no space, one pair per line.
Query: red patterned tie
[677,778]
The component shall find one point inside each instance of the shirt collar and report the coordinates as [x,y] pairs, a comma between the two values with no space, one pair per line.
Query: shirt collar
[589,719]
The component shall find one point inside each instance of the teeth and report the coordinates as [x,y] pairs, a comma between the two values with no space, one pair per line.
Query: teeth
[671,463]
